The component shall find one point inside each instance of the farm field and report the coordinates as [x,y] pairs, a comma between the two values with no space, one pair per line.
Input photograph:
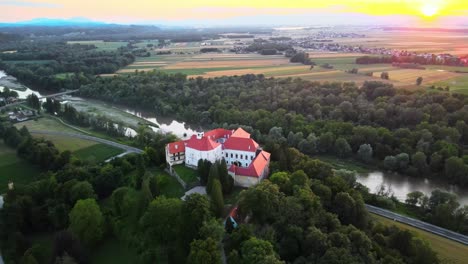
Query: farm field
[450,252]
[44,124]
[14,169]
[458,84]
[100,44]
[402,77]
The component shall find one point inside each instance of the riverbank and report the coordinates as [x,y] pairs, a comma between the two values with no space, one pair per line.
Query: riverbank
[393,183]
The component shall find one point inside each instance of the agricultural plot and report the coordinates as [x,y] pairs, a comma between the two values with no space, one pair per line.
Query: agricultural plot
[457,85]
[405,77]
[100,44]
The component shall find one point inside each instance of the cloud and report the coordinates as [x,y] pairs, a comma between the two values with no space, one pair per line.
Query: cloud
[29,4]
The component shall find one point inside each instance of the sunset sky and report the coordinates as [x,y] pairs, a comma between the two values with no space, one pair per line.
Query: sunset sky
[140,11]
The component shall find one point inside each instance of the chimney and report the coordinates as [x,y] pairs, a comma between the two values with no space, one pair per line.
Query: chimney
[200,135]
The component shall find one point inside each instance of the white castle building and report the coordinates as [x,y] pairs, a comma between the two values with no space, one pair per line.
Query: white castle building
[247,163]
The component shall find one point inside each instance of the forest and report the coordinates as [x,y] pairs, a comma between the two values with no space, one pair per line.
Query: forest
[58,65]
[411,132]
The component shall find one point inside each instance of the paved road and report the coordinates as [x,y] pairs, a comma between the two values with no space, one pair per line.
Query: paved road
[128,149]
[419,224]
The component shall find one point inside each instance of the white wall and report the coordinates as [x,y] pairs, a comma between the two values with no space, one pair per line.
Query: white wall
[192,156]
[248,156]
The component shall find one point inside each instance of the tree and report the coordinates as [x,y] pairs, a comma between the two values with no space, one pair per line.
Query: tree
[195,211]
[227,182]
[390,163]
[217,201]
[140,173]
[261,201]
[214,175]
[204,252]
[419,161]
[402,160]
[162,221]
[80,191]
[342,148]
[414,198]
[87,222]
[384,75]
[256,251]
[33,101]
[365,153]
[419,81]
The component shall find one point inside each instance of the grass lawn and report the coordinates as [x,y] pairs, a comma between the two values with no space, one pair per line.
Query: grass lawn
[97,152]
[449,251]
[14,168]
[188,175]
[67,143]
[170,187]
[112,251]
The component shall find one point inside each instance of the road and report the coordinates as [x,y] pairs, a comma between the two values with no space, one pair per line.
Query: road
[419,224]
[128,149]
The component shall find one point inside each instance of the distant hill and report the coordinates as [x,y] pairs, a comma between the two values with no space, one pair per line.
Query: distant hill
[49,22]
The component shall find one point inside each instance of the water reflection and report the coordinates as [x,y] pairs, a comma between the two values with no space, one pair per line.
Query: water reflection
[166,125]
[401,185]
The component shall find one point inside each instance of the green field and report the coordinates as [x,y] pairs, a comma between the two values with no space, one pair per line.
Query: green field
[450,252]
[189,176]
[457,85]
[14,169]
[63,143]
[97,152]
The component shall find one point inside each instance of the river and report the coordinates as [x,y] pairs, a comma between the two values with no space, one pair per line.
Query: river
[400,185]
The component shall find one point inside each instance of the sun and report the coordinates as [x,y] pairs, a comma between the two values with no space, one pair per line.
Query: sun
[429,9]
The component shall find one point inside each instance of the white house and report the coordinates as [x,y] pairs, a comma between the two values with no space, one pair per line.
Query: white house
[247,163]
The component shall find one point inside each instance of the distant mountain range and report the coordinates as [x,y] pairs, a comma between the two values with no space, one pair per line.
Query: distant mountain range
[49,22]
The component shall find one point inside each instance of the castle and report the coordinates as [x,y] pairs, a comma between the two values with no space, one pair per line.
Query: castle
[247,163]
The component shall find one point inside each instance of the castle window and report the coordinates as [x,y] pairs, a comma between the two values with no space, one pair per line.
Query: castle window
[226,155]
[237,156]
[242,156]
[251,157]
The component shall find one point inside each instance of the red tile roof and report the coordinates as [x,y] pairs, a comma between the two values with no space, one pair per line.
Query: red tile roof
[218,133]
[203,144]
[239,143]
[241,133]
[255,169]
[176,147]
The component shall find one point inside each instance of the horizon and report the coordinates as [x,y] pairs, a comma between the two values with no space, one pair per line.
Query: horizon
[411,13]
